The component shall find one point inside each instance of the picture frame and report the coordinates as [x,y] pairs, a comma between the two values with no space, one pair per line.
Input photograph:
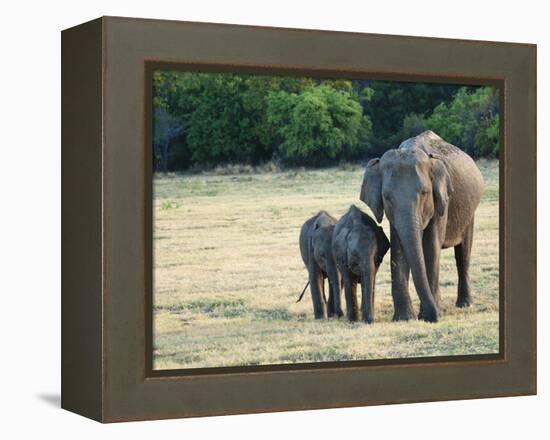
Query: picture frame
[107,372]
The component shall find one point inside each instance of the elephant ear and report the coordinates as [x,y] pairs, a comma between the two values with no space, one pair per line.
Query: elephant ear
[383,244]
[371,189]
[441,184]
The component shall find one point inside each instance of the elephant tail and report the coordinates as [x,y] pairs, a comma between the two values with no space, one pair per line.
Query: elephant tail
[302,294]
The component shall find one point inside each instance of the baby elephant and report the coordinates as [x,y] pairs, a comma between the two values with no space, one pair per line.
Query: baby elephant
[316,250]
[359,245]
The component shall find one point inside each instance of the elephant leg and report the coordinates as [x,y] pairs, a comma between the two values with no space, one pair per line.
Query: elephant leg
[330,302]
[350,292]
[367,298]
[317,287]
[402,306]
[334,301]
[463,251]
[338,303]
[431,243]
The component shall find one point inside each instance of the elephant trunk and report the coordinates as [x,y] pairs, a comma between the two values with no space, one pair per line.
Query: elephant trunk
[410,235]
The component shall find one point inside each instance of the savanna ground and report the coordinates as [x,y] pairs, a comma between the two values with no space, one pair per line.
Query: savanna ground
[228,271]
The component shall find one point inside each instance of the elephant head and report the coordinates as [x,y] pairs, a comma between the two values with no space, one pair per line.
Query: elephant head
[410,187]
[359,246]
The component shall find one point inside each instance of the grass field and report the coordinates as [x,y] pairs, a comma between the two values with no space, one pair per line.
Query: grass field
[228,271]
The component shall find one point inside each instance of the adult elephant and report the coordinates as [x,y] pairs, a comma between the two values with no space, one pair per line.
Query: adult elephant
[316,250]
[429,190]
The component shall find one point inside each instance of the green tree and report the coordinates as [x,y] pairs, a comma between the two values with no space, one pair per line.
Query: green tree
[175,95]
[211,118]
[470,121]
[224,115]
[166,129]
[390,102]
[220,128]
[318,124]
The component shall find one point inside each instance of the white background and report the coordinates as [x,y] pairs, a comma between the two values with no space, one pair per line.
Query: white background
[30,218]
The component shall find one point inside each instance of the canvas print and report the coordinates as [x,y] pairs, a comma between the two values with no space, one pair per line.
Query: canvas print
[305,220]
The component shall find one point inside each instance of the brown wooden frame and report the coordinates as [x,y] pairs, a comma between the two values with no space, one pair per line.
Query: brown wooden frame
[107,370]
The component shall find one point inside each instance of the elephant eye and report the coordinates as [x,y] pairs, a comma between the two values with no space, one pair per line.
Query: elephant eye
[424,191]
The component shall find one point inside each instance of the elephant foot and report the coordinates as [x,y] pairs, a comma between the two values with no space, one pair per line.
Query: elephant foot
[368,319]
[320,311]
[320,314]
[338,313]
[397,318]
[352,318]
[464,302]
[428,314]
[403,315]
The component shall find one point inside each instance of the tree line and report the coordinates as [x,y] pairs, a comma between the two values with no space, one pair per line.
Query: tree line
[206,119]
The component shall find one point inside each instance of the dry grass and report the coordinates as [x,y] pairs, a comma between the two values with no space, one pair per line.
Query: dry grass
[227,272]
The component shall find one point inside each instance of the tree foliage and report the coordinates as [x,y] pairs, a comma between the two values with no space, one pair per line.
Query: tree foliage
[392,101]
[167,128]
[319,123]
[211,118]
[470,120]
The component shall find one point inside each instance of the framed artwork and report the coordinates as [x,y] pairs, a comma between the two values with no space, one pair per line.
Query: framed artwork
[263,219]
